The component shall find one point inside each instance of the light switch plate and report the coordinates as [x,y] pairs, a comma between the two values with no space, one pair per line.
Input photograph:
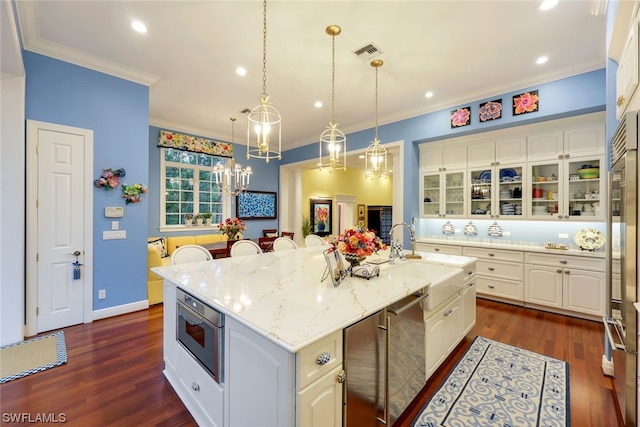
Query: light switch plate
[114,212]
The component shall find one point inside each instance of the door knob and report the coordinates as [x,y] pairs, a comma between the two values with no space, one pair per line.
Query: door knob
[76,253]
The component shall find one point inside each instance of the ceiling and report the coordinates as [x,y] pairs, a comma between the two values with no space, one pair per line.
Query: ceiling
[460,50]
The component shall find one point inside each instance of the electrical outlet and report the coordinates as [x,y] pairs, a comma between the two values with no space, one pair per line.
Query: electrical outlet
[102,294]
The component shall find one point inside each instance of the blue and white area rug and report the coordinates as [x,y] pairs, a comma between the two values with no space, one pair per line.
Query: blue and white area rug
[35,355]
[495,384]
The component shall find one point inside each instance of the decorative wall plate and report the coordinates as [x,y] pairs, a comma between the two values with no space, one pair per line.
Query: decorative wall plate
[495,230]
[448,228]
[470,229]
[589,239]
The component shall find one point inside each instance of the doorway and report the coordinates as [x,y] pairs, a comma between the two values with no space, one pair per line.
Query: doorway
[59,224]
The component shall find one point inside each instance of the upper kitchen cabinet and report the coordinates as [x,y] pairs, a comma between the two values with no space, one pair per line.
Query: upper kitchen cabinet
[442,156]
[497,152]
[624,49]
[580,141]
[443,194]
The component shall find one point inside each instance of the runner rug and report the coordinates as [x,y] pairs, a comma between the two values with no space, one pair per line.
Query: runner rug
[495,384]
[35,355]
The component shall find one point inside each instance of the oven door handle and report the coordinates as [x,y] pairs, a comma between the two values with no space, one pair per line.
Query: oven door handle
[608,323]
[185,314]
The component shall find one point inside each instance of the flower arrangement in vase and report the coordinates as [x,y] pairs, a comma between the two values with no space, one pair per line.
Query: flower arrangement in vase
[357,242]
[232,228]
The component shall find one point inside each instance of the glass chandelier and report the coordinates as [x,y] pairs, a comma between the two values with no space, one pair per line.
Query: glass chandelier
[333,138]
[375,161]
[232,178]
[264,121]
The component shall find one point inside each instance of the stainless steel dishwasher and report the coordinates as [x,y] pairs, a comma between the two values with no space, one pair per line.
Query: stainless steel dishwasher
[385,363]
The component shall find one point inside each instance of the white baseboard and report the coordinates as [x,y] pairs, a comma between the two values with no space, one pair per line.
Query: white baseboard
[607,366]
[120,309]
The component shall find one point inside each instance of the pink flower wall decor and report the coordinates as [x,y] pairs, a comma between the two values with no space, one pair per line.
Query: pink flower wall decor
[460,117]
[490,110]
[525,103]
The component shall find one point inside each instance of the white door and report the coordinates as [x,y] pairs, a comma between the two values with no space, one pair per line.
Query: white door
[59,224]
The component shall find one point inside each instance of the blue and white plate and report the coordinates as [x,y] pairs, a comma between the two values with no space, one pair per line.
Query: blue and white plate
[485,175]
[504,173]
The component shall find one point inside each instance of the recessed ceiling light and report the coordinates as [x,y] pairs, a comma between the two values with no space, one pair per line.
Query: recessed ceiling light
[241,71]
[541,60]
[318,104]
[428,94]
[548,4]
[139,26]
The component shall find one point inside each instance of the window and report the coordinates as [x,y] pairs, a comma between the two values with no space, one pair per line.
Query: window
[188,187]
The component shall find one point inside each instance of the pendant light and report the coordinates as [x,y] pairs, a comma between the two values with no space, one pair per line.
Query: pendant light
[264,121]
[232,178]
[332,138]
[375,161]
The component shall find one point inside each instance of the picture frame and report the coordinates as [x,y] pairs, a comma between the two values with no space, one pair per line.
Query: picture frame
[320,214]
[257,205]
[361,212]
[335,267]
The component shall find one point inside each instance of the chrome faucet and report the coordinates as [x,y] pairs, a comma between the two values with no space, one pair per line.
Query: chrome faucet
[412,237]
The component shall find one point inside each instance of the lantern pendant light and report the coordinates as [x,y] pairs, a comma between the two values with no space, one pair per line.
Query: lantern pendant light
[264,121]
[376,155]
[232,178]
[332,139]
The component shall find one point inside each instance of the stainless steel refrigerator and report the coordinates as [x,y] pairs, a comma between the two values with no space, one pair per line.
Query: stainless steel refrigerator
[621,322]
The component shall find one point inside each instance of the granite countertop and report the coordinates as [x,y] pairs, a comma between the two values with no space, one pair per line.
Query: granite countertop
[280,295]
[498,244]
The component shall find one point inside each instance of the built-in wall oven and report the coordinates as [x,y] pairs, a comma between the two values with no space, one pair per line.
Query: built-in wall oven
[200,330]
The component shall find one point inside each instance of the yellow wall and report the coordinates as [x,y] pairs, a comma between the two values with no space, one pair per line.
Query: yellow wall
[350,182]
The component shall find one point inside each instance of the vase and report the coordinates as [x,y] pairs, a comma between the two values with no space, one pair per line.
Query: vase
[321,226]
[353,260]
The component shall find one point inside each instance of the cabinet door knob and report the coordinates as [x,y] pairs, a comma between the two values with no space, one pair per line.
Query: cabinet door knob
[559,270]
[620,100]
[323,358]
[566,156]
[559,156]
[342,376]
[195,386]
[566,217]
[447,312]
[566,271]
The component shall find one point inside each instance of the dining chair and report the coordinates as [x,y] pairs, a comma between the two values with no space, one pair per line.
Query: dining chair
[287,234]
[266,243]
[190,253]
[245,247]
[314,240]
[283,244]
[269,232]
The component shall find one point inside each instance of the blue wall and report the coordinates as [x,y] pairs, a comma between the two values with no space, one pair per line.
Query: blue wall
[581,94]
[117,111]
[265,178]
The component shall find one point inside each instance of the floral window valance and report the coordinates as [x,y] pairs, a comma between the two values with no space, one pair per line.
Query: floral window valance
[194,144]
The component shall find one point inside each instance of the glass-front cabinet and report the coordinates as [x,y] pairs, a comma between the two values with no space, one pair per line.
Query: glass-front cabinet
[567,189]
[497,192]
[443,194]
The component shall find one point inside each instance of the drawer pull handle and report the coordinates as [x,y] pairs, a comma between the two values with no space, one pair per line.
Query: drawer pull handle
[490,268]
[491,286]
[437,249]
[448,311]
[323,358]
[563,261]
[195,386]
[342,376]
[491,254]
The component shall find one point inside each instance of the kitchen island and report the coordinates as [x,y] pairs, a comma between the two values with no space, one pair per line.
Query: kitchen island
[282,336]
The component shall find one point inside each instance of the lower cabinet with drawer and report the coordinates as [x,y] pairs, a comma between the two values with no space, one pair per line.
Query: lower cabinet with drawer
[572,284]
[499,273]
[439,249]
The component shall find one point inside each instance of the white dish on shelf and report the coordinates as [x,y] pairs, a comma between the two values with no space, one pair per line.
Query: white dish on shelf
[589,239]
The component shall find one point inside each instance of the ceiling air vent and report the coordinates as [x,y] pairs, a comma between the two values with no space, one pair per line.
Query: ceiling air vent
[367,52]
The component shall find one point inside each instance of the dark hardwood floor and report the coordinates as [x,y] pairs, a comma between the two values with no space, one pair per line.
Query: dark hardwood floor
[114,373]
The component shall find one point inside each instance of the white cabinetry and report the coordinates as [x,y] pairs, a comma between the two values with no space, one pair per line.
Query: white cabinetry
[627,75]
[443,194]
[499,273]
[576,141]
[442,328]
[439,249]
[468,307]
[497,152]
[439,157]
[571,283]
